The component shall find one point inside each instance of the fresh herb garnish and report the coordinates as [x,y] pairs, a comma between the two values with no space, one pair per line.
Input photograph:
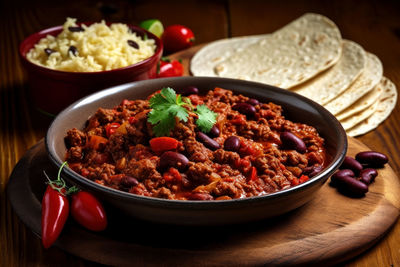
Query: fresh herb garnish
[167,105]
[206,118]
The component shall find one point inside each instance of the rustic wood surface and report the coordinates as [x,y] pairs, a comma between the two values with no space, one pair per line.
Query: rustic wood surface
[329,229]
[373,24]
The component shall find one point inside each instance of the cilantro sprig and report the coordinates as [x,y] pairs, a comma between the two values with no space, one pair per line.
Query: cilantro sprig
[167,105]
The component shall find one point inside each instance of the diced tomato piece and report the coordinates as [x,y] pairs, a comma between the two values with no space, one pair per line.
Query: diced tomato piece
[132,120]
[243,165]
[172,175]
[248,149]
[253,174]
[97,142]
[126,102]
[99,182]
[84,172]
[160,144]
[303,178]
[294,182]
[196,100]
[282,167]
[239,119]
[111,128]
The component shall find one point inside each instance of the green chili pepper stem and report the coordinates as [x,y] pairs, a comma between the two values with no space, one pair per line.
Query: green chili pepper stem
[59,170]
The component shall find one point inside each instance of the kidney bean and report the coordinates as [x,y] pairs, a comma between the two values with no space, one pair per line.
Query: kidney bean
[190,90]
[129,181]
[232,143]
[311,171]
[352,164]
[341,173]
[350,185]
[214,132]
[76,29]
[368,175]
[253,102]
[133,44]
[372,158]
[291,141]
[49,51]
[245,109]
[73,50]
[173,159]
[200,196]
[207,141]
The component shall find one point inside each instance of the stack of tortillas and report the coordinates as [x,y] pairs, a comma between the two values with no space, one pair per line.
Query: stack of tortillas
[309,57]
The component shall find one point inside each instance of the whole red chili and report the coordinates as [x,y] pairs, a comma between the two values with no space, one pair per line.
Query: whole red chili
[55,209]
[88,211]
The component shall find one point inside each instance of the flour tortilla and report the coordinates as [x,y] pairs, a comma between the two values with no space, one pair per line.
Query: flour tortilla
[205,60]
[363,103]
[289,56]
[368,79]
[386,103]
[359,117]
[334,81]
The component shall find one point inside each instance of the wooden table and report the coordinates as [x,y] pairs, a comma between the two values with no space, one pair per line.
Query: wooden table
[373,24]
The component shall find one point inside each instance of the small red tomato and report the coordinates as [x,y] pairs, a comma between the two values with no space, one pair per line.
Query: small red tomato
[55,209]
[170,68]
[177,37]
[88,211]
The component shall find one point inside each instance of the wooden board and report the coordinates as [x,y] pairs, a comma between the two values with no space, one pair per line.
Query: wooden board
[329,229]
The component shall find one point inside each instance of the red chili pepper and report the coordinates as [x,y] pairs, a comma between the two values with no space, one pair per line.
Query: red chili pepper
[111,128]
[169,68]
[88,211]
[55,209]
[160,144]
[177,37]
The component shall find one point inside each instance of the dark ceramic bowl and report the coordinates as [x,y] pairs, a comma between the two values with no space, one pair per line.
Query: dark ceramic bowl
[53,90]
[296,108]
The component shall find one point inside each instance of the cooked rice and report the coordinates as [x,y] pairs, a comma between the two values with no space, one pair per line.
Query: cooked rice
[99,47]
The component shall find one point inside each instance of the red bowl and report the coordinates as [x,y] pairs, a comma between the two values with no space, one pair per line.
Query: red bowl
[53,90]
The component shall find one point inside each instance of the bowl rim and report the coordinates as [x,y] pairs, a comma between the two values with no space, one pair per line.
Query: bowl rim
[153,201]
[57,29]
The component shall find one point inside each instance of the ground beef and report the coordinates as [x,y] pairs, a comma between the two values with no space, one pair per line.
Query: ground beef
[115,146]
[197,151]
[143,169]
[75,138]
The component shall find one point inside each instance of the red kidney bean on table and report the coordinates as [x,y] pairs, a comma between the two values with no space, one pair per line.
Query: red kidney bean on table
[372,158]
[356,174]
